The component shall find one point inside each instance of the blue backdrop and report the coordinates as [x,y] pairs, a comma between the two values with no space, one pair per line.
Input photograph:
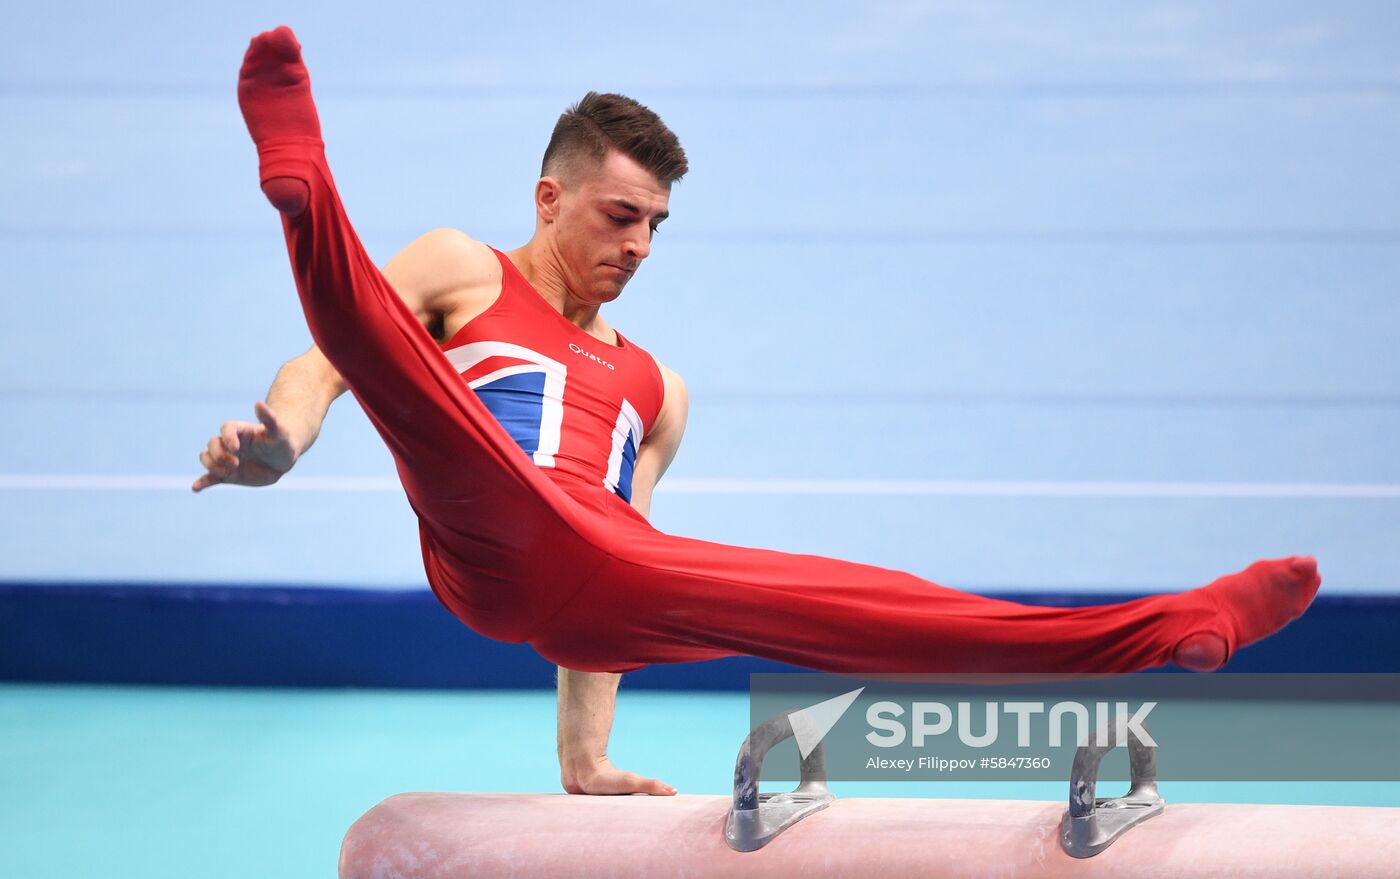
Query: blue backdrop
[1073,298]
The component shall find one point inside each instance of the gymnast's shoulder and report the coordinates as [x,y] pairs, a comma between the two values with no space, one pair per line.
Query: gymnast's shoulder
[446,257]
[444,271]
[675,406]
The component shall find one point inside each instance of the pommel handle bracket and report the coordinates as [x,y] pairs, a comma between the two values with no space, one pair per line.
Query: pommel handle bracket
[755,819]
[1091,825]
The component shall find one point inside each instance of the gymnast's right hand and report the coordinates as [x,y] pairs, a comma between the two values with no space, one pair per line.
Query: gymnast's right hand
[248,454]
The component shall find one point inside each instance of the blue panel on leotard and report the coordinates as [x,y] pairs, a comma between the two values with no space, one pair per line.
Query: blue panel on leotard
[624,475]
[517,403]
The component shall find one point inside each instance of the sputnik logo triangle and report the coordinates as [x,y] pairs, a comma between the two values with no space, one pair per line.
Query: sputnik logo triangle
[811,724]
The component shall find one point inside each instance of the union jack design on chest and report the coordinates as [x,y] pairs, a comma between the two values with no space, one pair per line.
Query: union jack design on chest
[525,391]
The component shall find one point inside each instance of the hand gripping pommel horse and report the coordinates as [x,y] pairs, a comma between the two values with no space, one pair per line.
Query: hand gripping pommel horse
[807,832]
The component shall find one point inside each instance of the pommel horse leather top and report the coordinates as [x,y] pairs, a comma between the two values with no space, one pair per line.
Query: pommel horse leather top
[807,832]
[447,835]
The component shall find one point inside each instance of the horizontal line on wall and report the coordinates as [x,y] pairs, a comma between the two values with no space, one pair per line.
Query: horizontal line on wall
[844,398]
[792,487]
[1025,489]
[330,90]
[767,237]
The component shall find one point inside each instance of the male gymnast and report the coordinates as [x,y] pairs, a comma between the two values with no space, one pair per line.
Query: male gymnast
[529,435]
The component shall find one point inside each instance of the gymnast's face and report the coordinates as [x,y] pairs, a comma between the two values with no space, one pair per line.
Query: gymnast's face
[602,217]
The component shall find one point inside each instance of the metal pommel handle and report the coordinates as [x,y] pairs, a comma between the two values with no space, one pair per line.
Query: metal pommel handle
[755,819]
[1090,824]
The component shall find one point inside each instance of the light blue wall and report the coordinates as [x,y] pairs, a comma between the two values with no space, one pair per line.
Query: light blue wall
[930,241]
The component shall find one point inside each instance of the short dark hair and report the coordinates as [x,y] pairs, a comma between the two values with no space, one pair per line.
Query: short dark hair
[601,122]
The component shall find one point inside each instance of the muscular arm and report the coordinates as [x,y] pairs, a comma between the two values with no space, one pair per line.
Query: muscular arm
[432,275]
[444,277]
[587,700]
[302,394]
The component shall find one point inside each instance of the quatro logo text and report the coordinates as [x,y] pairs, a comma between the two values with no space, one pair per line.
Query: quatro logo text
[594,357]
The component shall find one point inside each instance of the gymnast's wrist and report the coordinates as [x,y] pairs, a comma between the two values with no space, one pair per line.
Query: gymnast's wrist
[581,761]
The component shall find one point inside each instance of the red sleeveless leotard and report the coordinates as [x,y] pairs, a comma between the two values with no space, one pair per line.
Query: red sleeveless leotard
[578,406]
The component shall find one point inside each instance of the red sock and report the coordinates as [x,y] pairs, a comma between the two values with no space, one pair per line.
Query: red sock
[1253,604]
[274,92]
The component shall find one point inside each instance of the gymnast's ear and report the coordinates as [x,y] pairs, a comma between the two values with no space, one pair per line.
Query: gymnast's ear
[548,192]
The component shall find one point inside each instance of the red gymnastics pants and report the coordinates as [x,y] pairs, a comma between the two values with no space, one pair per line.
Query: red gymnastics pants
[572,568]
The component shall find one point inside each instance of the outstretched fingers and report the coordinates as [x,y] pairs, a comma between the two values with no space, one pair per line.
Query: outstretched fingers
[220,457]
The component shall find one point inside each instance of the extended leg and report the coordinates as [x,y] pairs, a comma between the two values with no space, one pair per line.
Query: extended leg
[485,508]
[670,599]
[431,421]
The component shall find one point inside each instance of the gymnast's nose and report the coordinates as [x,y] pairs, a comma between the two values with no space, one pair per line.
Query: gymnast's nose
[638,246]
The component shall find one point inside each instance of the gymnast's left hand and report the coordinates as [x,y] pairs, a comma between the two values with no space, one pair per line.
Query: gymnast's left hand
[245,453]
[602,778]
